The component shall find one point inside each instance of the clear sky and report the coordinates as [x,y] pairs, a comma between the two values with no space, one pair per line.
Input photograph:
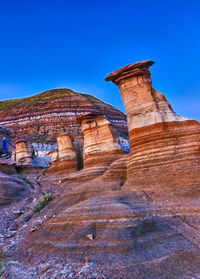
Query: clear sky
[47,44]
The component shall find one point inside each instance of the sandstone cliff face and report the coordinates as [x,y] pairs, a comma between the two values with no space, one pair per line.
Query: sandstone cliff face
[41,117]
[164,147]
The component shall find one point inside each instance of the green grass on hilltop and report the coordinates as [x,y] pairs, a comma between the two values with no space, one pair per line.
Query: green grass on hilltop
[42,98]
[90,98]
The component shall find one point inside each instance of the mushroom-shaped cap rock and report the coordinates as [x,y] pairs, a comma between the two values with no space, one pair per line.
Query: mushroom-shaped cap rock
[139,68]
[89,116]
[20,140]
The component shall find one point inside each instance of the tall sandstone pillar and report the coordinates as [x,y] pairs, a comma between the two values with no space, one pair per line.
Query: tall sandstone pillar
[65,158]
[100,140]
[23,153]
[164,147]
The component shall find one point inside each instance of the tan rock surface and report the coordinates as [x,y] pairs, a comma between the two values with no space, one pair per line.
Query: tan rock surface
[133,234]
[140,210]
[101,144]
[64,159]
[23,153]
[164,147]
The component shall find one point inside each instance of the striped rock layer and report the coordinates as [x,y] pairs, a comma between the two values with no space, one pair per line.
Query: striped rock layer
[164,147]
[23,153]
[41,117]
[137,217]
[101,144]
[65,158]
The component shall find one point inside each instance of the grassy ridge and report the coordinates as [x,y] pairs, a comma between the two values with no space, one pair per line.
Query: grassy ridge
[41,99]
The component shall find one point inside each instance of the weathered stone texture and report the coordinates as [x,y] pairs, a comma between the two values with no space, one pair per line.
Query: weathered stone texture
[65,158]
[164,147]
[101,144]
[165,155]
[11,188]
[23,153]
[123,215]
[39,118]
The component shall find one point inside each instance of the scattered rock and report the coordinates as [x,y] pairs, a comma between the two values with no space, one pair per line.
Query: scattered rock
[90,236]
[33,230]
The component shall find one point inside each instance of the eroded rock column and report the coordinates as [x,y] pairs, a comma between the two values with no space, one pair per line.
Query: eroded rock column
[144,105]
[64,159]
[162,143]
[100,140]
[23,153]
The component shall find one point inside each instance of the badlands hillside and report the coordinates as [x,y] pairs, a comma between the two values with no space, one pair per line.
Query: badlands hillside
[86,194]
[41,117]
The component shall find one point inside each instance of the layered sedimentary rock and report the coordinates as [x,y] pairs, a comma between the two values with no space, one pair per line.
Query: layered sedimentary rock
[101,143]
[65,157]
[23,153]
[138,236]
[7,166]
[11,187]
[164,146]
[121,216]
[144,105]
[41,117]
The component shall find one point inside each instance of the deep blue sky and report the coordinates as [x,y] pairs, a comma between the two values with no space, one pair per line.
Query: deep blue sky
[49,44]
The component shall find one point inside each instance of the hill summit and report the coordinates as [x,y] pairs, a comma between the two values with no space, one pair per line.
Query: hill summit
[40,117]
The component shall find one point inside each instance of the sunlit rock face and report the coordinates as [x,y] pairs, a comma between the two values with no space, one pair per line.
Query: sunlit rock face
[23,153]
[143,104]
[164,147]
[64,158]
[123,215]
[101,144]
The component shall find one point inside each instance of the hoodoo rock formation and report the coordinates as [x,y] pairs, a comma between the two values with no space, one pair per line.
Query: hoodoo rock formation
[144,105]
[65,158]
[164,147]
[119,215]
[101,143]
[23,153]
